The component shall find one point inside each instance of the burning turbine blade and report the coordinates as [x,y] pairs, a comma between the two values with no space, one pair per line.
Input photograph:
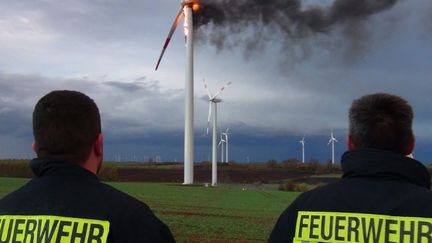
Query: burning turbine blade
[170,34]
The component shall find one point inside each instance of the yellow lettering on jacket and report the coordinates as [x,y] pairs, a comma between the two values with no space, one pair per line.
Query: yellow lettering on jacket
[52,229]
[340,227]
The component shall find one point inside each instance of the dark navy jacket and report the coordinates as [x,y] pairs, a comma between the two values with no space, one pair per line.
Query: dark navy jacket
[67,203]
[382,197]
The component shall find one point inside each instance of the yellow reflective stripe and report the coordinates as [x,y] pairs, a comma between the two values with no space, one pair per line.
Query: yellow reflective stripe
[41,229]
[359,227]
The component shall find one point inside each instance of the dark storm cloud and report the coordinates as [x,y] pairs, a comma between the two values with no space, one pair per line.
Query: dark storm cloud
[18,95]
[143,122]
[124,109]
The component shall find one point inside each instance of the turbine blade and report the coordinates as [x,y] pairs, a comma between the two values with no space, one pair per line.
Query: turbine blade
[207,89]
[222,89]
[209,117]
[170,34]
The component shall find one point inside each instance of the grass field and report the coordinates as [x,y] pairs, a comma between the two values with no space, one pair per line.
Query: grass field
[200,214]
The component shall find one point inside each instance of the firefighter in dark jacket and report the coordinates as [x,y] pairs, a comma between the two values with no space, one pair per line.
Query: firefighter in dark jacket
[383,196]
[65,202]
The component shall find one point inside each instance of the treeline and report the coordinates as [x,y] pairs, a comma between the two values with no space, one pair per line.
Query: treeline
[21,169]
[313,166]
[15,168]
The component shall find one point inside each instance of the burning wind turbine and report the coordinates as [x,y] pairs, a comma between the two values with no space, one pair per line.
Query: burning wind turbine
[213,100]
[187,8]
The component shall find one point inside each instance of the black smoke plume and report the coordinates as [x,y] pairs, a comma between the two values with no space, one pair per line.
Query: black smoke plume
[219,21]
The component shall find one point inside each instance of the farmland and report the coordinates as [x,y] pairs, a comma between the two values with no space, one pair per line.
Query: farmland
[228,213]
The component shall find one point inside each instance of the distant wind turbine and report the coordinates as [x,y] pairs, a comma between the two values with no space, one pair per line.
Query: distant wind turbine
[226,133]
[186,9]
[332,142]
[222,144]
[302,142]
[213,100]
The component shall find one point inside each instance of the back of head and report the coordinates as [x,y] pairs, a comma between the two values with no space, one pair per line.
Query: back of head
[65,125]
[381,121]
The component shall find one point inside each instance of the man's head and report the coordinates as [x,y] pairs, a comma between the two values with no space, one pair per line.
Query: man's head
[381,121]
[66,125]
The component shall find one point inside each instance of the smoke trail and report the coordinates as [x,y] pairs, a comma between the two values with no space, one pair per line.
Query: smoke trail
[286,20]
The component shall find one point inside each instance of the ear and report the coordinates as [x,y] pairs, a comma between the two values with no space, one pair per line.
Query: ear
[35,148]
[411,145]
[350,143]
[98,145]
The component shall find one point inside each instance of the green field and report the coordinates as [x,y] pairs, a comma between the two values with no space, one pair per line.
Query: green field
[200,214]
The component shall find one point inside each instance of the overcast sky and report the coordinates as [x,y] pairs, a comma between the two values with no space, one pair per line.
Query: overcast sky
[281,89]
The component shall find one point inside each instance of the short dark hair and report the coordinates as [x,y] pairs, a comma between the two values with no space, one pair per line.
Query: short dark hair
[65,125]
[381,121]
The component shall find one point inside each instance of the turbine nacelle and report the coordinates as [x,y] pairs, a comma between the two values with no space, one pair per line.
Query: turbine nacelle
[332,139]
[216,100]
[195,4]
[226,132]
[186,2]
[302,141]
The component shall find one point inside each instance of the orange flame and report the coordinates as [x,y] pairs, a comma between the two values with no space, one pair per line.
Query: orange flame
[196,7]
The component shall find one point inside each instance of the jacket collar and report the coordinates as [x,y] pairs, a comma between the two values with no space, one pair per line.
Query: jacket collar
[55,167]
[378,163]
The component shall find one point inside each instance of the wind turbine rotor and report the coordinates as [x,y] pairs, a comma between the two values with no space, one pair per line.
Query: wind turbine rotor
[222,89]
[221,142]
[170,34]
[302,141]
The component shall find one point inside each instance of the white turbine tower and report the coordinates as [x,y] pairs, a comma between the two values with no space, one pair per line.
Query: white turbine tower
[302,142]
[226,133]
[213,100]
[186,9]
[332,142]
[221,144]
